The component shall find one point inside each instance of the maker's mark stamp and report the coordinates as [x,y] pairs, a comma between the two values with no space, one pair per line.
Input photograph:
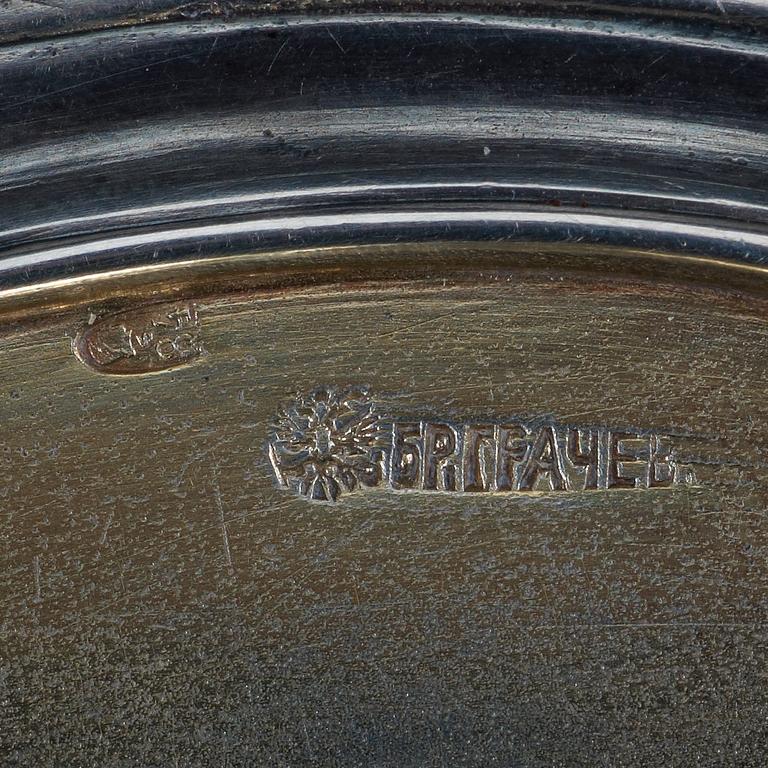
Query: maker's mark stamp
[333,441]
[141,341]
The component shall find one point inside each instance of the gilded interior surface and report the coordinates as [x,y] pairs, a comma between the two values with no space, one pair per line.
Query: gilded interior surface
[146,541]
[383,383]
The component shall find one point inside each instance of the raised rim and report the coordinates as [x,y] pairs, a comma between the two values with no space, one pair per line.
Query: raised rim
[127,149]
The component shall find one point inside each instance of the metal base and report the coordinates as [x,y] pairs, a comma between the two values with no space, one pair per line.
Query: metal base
[385,390]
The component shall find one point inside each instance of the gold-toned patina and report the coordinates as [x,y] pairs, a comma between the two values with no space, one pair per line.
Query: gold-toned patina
[534,455]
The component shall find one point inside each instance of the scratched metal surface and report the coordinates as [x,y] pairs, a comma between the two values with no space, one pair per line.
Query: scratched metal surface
[166,602]
[29,19]
[518,259]
[205,138]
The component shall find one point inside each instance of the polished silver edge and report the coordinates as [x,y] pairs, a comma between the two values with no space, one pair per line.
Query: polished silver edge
[688,182]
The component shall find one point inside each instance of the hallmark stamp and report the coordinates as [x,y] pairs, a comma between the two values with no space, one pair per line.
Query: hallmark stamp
[141,341]
[333,441]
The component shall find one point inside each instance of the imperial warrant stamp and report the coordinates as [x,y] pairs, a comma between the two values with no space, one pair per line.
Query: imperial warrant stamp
[332,441]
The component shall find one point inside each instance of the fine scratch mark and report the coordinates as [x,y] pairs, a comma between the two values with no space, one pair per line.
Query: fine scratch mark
[223,524]
[101,79]
[409,327]
[333,37]
[103,539]
[275,57]
[310,751]
[211,50]
[47,4]
[36,569]
[199,456]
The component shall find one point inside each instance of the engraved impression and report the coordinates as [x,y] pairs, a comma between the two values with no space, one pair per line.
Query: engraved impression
[141,341]
[329,442]
[326,442]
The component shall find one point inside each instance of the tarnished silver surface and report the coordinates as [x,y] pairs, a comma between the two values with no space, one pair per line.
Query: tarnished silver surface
[383,388]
